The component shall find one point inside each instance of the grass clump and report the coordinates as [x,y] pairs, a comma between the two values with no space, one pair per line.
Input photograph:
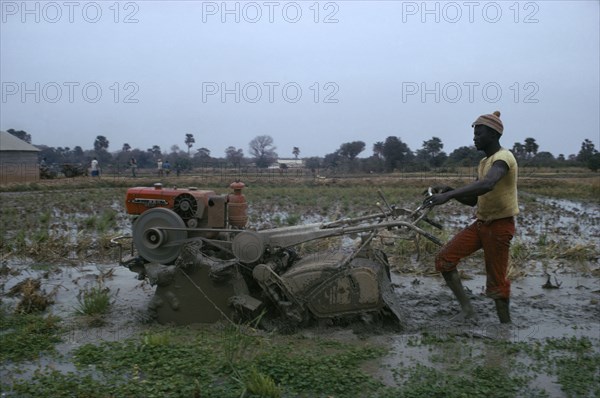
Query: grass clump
[260,384]
[107,220]
[293,219]
[579,253]
[519,251]
[94,301]
[150,339]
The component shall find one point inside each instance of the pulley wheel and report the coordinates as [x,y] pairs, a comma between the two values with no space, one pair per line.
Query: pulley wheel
[185,205]
[152,241]
[248,246]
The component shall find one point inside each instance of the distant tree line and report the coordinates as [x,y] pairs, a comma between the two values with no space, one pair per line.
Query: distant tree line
[387,156]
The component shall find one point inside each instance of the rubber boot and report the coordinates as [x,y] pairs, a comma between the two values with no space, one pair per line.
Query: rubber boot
[502,310]
[453,281]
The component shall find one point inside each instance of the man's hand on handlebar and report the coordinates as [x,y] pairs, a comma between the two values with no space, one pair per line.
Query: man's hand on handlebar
[435,200]
[436,195]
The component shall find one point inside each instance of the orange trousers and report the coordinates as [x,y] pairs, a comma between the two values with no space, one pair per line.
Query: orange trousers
[494,238]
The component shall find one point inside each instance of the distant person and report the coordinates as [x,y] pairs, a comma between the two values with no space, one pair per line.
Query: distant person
[495,194]
[159,167]
[133,165]
[167,167]
[43,163]
[95,168]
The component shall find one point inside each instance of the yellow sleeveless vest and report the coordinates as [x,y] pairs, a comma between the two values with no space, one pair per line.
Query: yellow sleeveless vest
[502,201]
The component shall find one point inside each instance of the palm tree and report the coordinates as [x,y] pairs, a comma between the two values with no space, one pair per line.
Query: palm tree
[189,141]
[100,143]
[531,147]
[378,149]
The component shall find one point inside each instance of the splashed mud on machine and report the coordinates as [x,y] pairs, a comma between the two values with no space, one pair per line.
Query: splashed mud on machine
[194,245]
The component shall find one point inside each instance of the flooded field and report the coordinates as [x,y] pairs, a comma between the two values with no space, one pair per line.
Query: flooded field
[555,301]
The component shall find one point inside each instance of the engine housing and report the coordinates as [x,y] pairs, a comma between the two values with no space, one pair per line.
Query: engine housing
[197,208]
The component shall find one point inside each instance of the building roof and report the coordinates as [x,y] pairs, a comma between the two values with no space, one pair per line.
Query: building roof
[9,142]
[290,161]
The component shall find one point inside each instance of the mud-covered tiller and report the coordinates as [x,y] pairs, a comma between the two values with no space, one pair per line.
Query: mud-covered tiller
[194,245]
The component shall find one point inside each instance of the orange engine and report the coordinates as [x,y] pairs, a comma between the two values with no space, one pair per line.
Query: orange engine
[197,208]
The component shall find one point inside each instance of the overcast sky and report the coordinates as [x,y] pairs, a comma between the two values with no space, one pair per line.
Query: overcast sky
[309,74]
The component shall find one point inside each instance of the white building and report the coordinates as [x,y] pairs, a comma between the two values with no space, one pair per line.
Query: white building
[288,163]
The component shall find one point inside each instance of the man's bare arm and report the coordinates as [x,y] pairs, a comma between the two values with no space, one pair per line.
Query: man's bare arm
[469,193]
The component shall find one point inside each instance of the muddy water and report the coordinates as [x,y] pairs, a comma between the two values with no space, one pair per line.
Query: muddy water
[537,312]
[64,285]
[571,310]
[560,219]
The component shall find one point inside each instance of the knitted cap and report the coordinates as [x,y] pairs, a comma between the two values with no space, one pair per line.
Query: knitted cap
[492,121]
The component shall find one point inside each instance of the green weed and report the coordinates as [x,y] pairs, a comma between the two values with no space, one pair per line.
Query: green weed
[150,339]
[27,336]
[576,363]
[276,220]
[238,362]
[40,236]
[519,251]
[91,222]
[199,363]
[45,217]
[259,384]
[107,220]
[292,219]
[94,301]
[20,241]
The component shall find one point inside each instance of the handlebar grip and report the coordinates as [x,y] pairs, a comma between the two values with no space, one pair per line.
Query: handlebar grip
[432,238]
